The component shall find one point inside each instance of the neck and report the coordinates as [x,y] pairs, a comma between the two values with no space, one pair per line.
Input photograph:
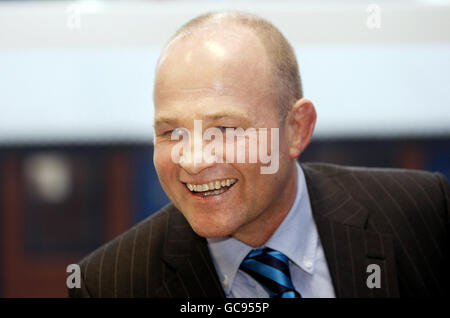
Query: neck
[259,230]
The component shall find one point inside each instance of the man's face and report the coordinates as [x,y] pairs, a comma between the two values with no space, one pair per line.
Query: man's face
[224,81]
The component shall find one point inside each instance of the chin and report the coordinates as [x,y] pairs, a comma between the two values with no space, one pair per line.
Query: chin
[208,231]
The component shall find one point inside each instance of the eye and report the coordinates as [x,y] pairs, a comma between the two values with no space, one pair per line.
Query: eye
[177,133]
[224,128]
[166,133]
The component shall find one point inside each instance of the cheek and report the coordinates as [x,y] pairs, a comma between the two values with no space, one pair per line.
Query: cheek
[259,188]
[163,163]
[157,159]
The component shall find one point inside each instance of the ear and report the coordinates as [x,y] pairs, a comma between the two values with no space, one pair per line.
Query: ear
[300,121]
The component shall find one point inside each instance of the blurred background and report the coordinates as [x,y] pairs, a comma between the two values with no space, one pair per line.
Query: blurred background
[76,110]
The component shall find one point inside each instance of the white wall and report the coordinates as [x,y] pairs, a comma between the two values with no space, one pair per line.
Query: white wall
[83,71]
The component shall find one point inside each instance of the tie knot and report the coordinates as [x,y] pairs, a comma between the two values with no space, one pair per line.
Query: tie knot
[270,268]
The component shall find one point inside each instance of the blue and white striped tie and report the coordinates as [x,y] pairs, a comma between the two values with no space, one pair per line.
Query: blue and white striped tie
[270,268]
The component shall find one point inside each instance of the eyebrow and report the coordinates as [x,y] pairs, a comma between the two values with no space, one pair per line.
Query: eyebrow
[220,115]
[212,116]
[164,120]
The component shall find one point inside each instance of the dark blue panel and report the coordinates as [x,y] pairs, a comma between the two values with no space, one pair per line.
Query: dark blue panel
[438,156]
[148,196]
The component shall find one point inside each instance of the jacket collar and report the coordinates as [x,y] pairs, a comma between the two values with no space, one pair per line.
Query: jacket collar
[349,246]
[188,258]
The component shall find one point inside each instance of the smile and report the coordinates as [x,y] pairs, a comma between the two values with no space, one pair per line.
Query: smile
[211,188]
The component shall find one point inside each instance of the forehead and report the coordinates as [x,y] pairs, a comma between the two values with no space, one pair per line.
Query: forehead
[213,69]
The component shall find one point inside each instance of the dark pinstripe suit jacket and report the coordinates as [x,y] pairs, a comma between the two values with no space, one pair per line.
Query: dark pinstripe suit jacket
[398,219]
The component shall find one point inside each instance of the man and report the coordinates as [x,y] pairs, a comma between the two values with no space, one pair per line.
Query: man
[309,230]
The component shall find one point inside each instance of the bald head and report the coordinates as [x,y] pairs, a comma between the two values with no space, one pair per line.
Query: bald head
[248,42]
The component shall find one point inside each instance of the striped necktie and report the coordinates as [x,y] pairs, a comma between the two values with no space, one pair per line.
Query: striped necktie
[270,268]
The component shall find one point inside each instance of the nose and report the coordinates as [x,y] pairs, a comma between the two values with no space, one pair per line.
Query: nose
[193,159]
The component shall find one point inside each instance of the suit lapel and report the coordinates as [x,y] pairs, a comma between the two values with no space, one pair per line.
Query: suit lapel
[190,271]
[348,245]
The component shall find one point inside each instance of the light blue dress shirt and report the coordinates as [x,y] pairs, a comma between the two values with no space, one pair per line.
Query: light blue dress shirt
[296,237]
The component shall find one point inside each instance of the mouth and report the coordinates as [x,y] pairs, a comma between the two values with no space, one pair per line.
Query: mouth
[212,188]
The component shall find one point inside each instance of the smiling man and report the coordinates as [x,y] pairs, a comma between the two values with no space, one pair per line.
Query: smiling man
[309,230]
[209,75]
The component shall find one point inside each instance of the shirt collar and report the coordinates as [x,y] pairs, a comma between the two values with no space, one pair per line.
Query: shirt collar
[227,254]
[296,237]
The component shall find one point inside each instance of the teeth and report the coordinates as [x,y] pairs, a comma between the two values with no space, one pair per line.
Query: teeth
[213,192]
[213,185]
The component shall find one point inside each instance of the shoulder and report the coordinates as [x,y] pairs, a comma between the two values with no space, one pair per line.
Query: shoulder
[121,267]
[409,208]
[336,170]
[421,181]
[412,195]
